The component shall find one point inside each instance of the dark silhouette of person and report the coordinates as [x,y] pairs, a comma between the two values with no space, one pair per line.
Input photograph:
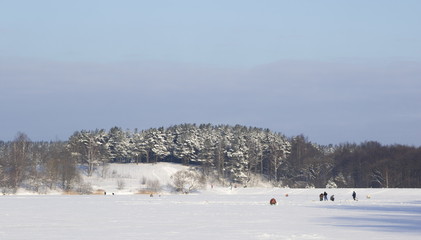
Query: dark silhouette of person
[354,195]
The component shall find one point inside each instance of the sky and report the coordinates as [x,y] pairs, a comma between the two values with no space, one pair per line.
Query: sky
[334,71]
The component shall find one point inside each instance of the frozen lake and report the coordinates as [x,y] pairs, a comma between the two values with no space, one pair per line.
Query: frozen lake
[216,214]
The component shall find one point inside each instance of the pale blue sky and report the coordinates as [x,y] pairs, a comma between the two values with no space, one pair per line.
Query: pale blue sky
[335,71]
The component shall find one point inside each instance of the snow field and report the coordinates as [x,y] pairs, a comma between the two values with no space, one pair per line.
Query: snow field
[215,213]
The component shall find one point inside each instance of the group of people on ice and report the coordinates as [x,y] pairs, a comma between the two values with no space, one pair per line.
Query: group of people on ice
[323,196]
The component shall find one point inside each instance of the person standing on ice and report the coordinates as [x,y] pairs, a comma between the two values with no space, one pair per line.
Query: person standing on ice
[354,195]
[325,196]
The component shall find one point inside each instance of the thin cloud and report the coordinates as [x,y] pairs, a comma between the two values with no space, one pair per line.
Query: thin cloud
[292,97]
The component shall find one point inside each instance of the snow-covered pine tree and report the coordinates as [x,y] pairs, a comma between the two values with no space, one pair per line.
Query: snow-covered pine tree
[119,145]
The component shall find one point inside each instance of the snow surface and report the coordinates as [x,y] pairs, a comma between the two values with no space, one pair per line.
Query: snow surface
[134,176]
[214,213]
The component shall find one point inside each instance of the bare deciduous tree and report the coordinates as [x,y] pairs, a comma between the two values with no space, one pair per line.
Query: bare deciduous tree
[188,180]
[121,184]
[18,159]
[153,185]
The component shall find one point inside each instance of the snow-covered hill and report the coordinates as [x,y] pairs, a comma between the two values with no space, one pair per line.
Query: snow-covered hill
[132,178]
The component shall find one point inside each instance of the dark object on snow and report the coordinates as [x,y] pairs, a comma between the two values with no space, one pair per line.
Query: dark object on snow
[273,201]
[325,196]
[354,195]
[321,196]
[332,198]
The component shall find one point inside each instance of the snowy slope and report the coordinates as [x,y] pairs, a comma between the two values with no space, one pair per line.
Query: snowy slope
[133,177]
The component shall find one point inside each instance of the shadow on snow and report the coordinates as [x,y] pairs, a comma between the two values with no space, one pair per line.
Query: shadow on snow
[381,218]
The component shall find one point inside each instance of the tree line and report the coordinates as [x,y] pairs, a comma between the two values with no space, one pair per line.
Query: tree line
[36,166]
[230,152]
[365,165]
[234,154]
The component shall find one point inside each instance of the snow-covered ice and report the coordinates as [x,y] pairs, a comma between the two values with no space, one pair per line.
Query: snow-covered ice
[215,213]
